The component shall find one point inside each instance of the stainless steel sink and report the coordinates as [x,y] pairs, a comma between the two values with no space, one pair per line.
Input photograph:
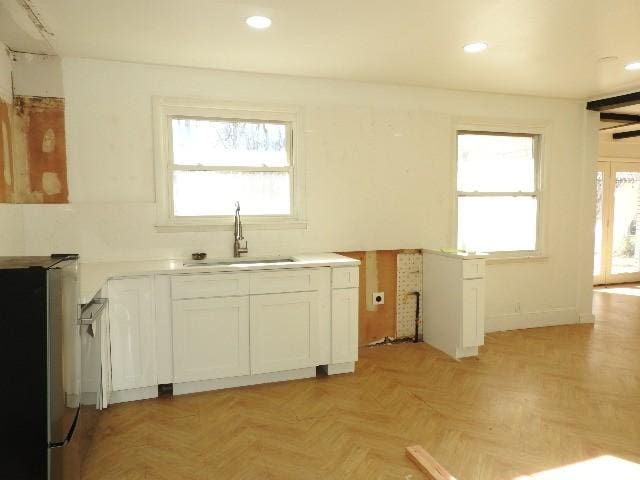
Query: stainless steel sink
[237,261]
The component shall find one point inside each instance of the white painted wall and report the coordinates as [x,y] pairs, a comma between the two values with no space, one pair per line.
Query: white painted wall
[626,148]
[380,176]
[5,73]
[37,75]
[11,230]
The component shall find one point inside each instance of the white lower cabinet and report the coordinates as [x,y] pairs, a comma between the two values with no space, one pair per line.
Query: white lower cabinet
[454,302]
[210,338]
[344,325]
[215,330]
[132,333]
[285,331]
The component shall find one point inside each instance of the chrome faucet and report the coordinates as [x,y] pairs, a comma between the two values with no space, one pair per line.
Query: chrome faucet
[237,233]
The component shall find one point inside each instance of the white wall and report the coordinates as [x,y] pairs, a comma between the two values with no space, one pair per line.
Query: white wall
[37,75]
[380,175]
[626,148]
[5,73]
[11,230]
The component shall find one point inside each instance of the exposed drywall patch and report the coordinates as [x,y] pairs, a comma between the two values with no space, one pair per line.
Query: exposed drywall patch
[371,279]
[377,274]
[49,141]
[5,153]
[51,183]
[41,164]
[6,160]
[409,281]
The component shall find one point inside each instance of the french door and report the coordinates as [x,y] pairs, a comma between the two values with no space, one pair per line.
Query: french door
[617,238]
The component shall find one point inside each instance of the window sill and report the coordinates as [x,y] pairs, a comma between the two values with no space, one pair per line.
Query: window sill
[227,225]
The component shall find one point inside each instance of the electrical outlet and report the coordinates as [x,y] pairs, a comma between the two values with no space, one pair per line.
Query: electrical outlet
[378,298]
[517,307]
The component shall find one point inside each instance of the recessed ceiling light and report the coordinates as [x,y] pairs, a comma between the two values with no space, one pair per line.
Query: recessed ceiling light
[632,66]
[476,47]
[259,22]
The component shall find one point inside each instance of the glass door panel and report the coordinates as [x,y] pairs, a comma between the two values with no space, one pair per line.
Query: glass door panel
[625,247]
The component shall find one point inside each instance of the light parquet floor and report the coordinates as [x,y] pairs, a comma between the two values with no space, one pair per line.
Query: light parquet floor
[535,400]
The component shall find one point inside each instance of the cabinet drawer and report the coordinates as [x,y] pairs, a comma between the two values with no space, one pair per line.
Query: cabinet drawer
[283,281]
[472,269]
[345,277]
[209,285]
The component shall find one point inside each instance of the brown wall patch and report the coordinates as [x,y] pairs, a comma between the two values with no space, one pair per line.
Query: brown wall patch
[6,153]
[378,273]
[40,123]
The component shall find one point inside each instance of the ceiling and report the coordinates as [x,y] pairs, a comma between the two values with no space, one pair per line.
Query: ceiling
[18,31]
[536,47]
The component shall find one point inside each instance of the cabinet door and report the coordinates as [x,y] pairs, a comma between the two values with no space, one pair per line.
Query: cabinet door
[344,325]
[472,313]
[210,338]
[132,333]
[285,331]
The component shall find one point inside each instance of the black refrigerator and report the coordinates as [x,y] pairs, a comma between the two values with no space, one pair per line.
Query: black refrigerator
[40,355]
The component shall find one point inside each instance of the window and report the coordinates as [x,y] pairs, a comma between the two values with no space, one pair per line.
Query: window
[210,156]
[498,192]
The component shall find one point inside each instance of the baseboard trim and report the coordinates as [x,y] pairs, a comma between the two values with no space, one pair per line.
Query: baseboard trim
[339,368]
[587,318]
[131,395]
[541,318]
[465,352]
[243,381]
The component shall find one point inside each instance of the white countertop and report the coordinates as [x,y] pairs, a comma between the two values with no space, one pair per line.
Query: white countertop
[94,275]
[462,255]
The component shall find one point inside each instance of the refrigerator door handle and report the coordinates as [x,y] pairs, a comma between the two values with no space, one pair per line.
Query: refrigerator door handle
[92,310]
[70,434]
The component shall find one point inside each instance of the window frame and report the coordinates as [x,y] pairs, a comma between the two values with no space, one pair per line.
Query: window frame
[167,108]
[540,132]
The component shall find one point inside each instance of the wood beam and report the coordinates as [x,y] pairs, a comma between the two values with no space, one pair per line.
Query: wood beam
[427,464]
[619,117]
[618,126]
[614,102]
[630,134]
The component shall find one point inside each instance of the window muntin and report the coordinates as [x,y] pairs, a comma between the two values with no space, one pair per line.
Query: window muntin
[498,192]
[215,162]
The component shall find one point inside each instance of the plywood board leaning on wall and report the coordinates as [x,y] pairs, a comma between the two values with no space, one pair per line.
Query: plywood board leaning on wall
[378,273]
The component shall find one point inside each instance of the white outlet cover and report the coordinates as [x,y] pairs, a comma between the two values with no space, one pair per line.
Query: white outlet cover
[375,298]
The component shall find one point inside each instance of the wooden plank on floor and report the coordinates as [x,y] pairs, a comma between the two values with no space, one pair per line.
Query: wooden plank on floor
[428,464]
